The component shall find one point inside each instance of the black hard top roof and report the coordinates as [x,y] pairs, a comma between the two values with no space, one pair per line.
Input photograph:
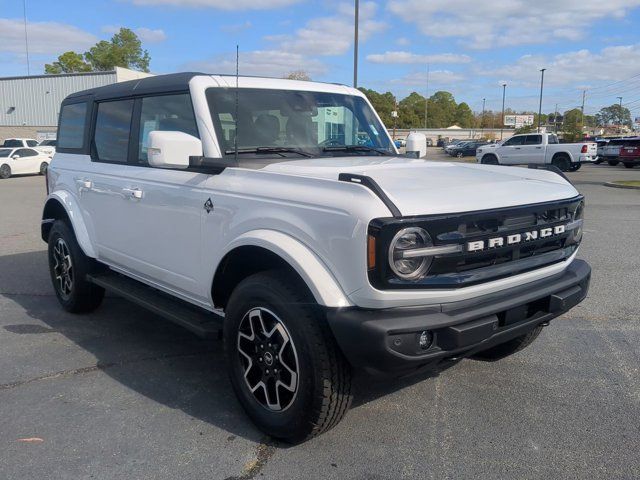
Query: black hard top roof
[172,82]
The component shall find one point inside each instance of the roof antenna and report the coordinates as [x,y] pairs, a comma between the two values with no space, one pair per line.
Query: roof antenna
[235,139]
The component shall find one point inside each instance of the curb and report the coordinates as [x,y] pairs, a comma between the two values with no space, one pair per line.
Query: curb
[618,185]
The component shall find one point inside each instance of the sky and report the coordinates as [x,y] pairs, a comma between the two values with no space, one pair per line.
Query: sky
[469,47]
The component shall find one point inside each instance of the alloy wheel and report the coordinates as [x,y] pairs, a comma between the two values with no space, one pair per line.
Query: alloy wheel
[269,359]
[63,268]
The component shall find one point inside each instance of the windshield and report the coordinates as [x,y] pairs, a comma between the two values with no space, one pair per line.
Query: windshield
[284,123]
[4,152]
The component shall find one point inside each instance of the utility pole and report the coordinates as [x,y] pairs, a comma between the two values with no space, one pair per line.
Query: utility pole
[26,37]
[504,93]
[355,45]
[584,95]
[555,119]
[484,100]
[426,101]
[540,108]
[620,98]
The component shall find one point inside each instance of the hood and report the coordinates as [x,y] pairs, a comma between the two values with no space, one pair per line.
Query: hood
[422,187]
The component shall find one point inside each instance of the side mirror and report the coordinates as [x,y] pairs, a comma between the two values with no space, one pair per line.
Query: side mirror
[172,149]
[15,157]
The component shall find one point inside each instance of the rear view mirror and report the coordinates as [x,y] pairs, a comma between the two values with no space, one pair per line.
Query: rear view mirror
[172,149]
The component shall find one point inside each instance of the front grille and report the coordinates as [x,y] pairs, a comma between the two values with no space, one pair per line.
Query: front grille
[471,267]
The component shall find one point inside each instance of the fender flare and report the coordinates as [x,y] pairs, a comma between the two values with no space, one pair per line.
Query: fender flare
[318,278]
[70,205]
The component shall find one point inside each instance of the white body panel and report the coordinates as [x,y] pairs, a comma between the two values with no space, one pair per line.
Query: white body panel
[151,224]
[25,165]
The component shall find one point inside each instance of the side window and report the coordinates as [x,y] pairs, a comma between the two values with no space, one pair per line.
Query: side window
[167,113]
[552,139]
[12,143]
[514,141]
[73,119]
[533,140]
[25,152]
[113,124]
[32,143]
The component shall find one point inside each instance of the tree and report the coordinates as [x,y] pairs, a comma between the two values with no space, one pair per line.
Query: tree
[68,62]
[123,50]
[614,115]
[411,111]
[383,103]
[572,127]
[442,110]
[464,116]
[298,75]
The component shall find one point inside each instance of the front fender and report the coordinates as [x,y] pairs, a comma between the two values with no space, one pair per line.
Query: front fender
[312,270]
[70,205]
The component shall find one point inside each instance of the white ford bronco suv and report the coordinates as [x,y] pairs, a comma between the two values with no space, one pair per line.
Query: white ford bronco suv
[280,213]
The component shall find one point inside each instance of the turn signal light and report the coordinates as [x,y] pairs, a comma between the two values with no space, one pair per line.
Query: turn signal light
[371,252]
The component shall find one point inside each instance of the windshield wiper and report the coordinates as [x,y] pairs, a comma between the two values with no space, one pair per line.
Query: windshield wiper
[279,150]
[356,148]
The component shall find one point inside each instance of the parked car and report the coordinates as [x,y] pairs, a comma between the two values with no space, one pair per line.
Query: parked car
[601,144]
[630,153]
[324,256]
[20,161]
[29,143]
[49,144]
[466,149]
[538,148]
[453,144]
[611,151]
[400,143]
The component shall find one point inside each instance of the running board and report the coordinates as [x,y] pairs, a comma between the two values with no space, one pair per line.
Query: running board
[202,322]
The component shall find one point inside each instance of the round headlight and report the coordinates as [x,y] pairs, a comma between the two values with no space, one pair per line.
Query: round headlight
[409,268]
[578,216]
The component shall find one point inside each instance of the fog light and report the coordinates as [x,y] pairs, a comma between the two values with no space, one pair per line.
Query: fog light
[425,340]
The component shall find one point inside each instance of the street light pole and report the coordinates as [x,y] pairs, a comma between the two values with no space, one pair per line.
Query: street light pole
[504,93]
[540,108]
[482,119]
[355,45]
[620,98]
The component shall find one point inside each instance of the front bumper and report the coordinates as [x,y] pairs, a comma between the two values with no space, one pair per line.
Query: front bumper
[386,340]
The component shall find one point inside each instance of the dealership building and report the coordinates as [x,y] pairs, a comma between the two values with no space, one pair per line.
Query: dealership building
[29,106]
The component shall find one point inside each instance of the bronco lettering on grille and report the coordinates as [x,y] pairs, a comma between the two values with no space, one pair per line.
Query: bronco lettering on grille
[495,242]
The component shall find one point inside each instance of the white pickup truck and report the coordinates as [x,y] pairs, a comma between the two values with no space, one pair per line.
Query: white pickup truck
[538,148]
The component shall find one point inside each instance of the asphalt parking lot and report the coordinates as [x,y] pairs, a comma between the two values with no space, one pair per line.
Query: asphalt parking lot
[122,394]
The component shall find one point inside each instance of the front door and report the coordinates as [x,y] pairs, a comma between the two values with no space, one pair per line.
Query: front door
[510,150]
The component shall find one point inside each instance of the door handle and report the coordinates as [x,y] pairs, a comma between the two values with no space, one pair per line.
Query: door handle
[133,192]
[88,184]
[517,148]
[538,148]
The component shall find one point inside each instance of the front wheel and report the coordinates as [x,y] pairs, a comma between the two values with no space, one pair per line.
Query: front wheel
[489,160]
[5,171]
[43,168]
[509,348]
[459,155]
[629,165]
[613,163]
[285,366]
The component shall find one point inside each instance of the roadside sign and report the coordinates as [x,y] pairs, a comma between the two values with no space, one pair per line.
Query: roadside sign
[518,121]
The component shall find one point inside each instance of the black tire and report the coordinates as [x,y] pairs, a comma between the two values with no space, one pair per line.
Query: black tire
[459,155]
[613,163]
[43,168]
[322,392]
[74,292]
[629,165]
[575,167]
[5,171]
[562,162]
[509,348]
[598,162]
[489,160]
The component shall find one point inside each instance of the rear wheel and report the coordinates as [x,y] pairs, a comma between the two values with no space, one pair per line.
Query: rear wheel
[629,165]
[562,162]
[613,163]
[489,160]
[509,348]
[5,171]
[43,168]
[575,167]
[69,266]
[285,366]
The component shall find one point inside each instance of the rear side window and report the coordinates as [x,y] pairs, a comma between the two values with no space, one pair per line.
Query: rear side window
[73,119]
[12,143]
[166,113]
[533,140]
[26,152]
[113,125]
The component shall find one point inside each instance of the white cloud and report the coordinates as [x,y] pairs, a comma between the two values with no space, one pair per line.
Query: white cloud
[268,63]
[484,24]
[403,41]
[146,35]
[237,27]
[45,38]
[581,67]
[412,58]
[436,77]
[221,4]
[332,35]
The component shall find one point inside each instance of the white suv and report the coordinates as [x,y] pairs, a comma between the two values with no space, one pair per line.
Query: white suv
[280,211]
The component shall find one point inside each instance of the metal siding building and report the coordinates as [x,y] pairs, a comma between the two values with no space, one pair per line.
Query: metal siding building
[30,105]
